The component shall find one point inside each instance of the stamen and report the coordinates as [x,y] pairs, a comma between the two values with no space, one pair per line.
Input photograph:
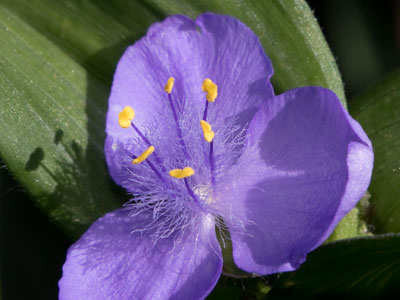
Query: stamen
[159,162]
[211,89]
[207,131]
[186,172]
[181,173]
[143,156]
[152,167]
[212,92]
[170,84]
[178,128]
[126,116]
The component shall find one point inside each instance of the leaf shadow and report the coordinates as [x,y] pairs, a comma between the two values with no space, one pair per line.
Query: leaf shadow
[35,159]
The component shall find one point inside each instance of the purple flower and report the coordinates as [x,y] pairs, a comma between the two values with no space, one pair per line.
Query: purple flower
[206,144]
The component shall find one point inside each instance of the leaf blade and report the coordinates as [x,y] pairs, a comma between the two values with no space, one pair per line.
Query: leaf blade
[378,111]
[353,267]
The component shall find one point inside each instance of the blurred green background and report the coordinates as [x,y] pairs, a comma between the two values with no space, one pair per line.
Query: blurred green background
[364,36]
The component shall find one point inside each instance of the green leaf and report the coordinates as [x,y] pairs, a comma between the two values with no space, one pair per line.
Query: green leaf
[57,59]
[289,33]
[362,268]
[378,111]
[353,224]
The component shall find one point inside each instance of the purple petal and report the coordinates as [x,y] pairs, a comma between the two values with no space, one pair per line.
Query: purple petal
[112,262]
[236,62]
[307,165]
[217,47]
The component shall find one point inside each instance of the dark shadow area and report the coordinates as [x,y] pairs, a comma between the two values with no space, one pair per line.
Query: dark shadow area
[76,200]
[58,136]
[77,196]
[32,249]
[35,159]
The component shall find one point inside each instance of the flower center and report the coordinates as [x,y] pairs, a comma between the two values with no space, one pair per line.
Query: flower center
[125,119]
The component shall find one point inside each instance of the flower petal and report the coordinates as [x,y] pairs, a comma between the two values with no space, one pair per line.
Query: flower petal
[112,262]
[307,165]
[217,47]
[235,60]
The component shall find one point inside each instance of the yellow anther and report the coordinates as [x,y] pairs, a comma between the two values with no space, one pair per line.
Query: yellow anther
[211,89]
[143,156]
[126,116]
[170,84]
[207,130]
[179,173]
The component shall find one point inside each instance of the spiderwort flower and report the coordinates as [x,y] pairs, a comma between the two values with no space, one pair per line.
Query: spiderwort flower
[196,135]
